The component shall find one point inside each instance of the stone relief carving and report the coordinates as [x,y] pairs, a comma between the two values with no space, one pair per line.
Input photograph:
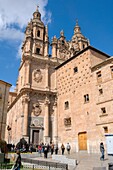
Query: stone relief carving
[37,75]
[37,123]
[37,109]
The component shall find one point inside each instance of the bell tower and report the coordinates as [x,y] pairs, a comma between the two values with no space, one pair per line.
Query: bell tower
[78,42]
[36,36]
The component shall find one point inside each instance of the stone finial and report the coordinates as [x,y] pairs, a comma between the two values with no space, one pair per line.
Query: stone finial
[37,8]
[54,40]
[62,33]
[76,22]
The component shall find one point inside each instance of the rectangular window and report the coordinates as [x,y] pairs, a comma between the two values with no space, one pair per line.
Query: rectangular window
[66,105]
[99,76]
[67,121]
[86,98]
[100,91]
[103,110]
[105,129]
[75,69]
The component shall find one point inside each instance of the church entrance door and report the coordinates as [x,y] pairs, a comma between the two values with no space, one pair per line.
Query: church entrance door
[35,137]
[82,140]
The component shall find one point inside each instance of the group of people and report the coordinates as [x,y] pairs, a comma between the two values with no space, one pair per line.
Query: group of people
[52,148]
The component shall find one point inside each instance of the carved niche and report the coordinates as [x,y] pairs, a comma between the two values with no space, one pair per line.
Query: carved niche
[37,109]
[37,75]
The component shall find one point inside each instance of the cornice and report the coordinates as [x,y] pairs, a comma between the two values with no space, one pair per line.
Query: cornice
[81,52]
[105,62]
[30,90]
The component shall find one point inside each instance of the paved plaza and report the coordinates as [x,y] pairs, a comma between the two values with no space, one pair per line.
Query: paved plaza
[84,160]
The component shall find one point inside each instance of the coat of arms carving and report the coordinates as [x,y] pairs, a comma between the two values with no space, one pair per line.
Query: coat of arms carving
[37,75]
[37,109]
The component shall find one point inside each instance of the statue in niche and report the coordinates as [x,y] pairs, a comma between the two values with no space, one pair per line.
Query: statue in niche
[37,109]
[37,75]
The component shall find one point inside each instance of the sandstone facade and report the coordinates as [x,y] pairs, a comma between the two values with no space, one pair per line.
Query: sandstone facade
[63,97]
[4,93]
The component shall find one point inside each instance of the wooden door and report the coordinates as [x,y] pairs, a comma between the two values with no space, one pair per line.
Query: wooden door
[35,137]
[82,141]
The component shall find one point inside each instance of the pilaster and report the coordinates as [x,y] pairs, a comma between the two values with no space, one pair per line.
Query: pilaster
[25,102]
[55,123]
[47,76]
[27,73]
[46,121]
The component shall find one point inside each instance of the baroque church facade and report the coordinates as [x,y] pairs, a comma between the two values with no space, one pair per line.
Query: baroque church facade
[63,97]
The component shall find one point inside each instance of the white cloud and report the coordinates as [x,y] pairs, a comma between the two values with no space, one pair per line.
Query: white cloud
[14,16]
[11,34]
[19,53]
[12,89]
[19,13]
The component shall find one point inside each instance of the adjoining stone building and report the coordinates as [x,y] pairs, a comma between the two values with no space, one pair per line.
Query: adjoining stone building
[65,97]
[4,93]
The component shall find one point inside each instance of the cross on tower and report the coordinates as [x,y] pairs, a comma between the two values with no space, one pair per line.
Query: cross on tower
[37,7]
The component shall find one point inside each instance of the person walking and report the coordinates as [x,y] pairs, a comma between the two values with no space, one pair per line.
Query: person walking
[17,164]
[52,148]
[40,150]
[45,151]
[68,148]
[56,149]
[102,150]
[62,148]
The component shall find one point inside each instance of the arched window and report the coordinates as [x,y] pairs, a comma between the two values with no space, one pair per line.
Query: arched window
[37,50]
[83,46]
[63,42]
[38,33]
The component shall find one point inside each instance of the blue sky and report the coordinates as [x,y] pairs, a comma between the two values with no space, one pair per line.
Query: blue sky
[95,17]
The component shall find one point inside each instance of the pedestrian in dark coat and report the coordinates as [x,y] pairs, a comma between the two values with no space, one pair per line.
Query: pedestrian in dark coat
[17,164]
[102,150]
[56,149]
[45,151]
[62,148]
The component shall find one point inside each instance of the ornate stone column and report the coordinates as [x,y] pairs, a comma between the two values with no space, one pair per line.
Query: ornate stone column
[25,121]
[46,121]
[55,122]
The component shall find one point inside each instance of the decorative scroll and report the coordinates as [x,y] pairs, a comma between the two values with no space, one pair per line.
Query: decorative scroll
[37,109]
[37,75]
[67,121]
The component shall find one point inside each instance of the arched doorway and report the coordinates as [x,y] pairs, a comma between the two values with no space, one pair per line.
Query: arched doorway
[82,140]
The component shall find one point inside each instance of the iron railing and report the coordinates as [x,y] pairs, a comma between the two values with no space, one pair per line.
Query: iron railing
[45,164]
